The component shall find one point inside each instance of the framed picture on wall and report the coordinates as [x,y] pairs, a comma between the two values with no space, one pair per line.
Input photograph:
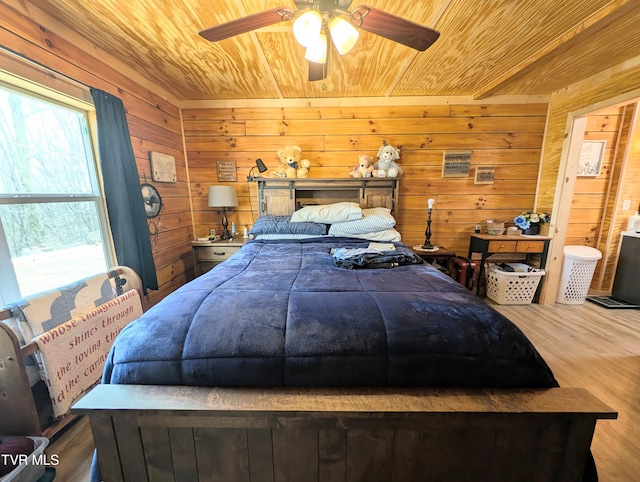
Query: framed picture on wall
[591,158]
[485,175]
[226,170]
[456,164]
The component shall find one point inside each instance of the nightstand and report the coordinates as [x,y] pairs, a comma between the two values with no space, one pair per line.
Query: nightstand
[207,254]
[442,256]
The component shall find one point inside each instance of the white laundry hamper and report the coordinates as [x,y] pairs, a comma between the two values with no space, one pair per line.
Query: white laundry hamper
[577,271]
[517,287]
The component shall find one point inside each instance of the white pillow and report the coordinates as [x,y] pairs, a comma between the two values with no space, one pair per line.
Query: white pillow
[327,213]
[373,219]
[386,235]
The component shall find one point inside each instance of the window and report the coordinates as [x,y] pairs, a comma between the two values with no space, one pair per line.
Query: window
[53,227]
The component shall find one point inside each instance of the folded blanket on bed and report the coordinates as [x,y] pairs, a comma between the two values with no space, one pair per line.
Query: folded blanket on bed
[370,257]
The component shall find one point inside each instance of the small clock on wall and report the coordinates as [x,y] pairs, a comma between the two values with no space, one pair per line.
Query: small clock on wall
[152,200]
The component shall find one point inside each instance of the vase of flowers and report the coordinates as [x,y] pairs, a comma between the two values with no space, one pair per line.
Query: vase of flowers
[530,222]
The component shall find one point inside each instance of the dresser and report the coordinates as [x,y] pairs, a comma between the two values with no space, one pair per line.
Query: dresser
[487,245]
[207,254]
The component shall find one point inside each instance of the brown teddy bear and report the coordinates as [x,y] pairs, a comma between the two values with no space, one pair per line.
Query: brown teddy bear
[364,167]
[291,163]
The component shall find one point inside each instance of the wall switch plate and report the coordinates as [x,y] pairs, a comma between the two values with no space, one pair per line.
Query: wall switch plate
[626,204]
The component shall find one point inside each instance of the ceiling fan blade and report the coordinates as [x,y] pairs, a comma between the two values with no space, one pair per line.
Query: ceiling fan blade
[247,24]
[394,28]
[317,71]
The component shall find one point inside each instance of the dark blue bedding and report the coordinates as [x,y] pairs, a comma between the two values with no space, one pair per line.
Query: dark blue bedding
[281,313]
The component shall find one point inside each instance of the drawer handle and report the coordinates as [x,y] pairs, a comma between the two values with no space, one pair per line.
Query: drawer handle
[219,253]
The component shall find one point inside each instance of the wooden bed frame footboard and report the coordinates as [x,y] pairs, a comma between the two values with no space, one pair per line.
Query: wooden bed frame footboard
[166,433]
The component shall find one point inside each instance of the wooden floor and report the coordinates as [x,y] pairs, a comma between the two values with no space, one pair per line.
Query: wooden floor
[585,346]
[598,349]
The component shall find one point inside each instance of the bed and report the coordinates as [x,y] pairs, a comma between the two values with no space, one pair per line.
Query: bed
[312,323]
[286,363]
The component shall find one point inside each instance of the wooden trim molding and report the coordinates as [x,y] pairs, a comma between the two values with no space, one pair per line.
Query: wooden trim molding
[364,101]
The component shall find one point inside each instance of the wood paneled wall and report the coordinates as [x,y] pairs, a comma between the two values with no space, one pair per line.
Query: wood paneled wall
[625,185]
[590,193]
[507,136]
[154,124]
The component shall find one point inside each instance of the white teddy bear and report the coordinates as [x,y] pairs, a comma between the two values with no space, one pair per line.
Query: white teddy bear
[387,165]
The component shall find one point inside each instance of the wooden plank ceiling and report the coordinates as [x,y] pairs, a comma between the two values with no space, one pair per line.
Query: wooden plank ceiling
[486,47]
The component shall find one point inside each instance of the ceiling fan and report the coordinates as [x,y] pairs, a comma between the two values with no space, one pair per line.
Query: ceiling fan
[324,20]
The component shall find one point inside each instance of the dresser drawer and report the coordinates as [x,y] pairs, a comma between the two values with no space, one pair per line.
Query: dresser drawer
[502,246]
[202,268]
[530,247]
[215,253]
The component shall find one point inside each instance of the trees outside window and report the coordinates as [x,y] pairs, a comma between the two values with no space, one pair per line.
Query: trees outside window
[53,228]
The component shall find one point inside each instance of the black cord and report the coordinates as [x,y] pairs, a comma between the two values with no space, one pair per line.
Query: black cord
[253,217]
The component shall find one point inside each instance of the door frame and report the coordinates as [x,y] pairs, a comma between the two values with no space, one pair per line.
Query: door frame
[565,186]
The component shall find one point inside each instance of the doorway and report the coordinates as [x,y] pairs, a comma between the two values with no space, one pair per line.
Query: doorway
[599,205]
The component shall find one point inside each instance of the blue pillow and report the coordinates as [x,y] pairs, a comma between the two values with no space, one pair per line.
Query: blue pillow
[283,225]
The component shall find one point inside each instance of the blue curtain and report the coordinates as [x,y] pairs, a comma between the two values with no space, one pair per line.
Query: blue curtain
[122,189]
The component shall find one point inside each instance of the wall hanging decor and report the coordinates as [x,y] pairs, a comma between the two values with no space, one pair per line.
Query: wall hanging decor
[163,167]
[591,158]
[456,164]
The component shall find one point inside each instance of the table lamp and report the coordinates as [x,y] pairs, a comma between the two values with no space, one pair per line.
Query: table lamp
[261,168]
[223,197]
[427,246]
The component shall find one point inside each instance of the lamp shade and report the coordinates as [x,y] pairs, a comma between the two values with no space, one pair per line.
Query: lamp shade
[343,34]
[222,196]
[261,168]
[260,165]
[307,26]
[317,49]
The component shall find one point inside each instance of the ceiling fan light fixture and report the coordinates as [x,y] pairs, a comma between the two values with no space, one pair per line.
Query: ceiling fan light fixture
[343,34]
[307,27]
[317,49]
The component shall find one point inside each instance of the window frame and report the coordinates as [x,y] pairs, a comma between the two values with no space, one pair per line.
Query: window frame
[9,289]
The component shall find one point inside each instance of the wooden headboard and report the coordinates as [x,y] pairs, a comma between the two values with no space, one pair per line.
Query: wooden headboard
[281,197]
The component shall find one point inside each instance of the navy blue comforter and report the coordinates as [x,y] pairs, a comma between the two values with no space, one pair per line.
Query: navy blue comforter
[281,313]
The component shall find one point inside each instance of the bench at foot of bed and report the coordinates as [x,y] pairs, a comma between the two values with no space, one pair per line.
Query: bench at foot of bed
[170,433]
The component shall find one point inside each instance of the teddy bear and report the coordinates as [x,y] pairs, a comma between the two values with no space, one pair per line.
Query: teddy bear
[364,167]
[387,165]
[291,163]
